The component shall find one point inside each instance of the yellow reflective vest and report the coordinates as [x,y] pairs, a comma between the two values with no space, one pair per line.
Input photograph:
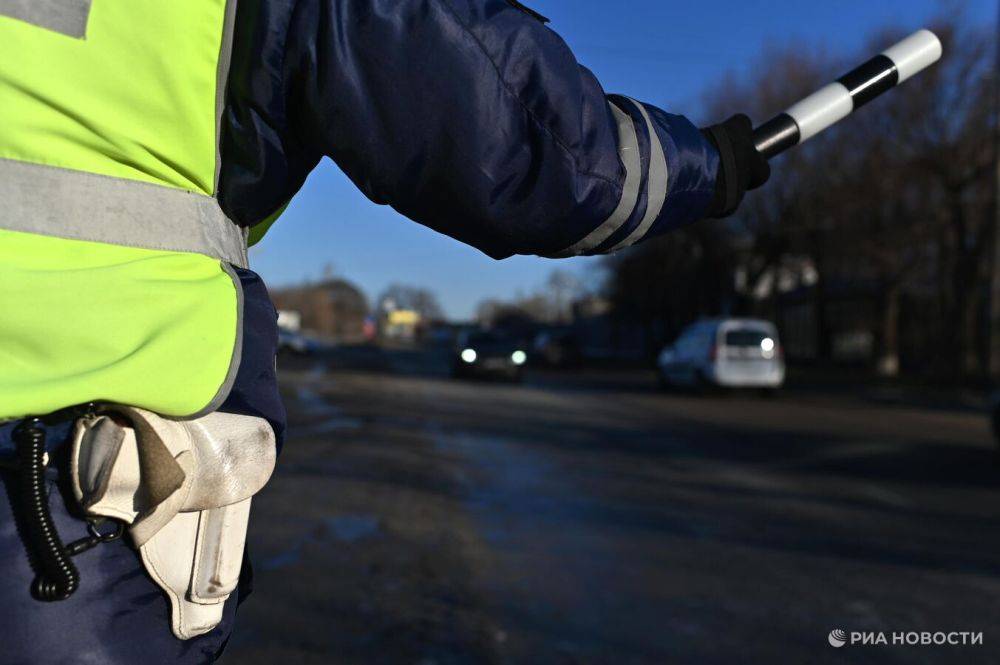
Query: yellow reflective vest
[116,261]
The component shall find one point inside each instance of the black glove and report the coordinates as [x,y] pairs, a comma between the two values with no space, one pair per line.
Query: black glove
[741,167]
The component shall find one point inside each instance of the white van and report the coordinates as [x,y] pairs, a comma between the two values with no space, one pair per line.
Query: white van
[732,353]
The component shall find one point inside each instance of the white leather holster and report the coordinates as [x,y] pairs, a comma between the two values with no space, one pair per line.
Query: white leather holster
[184,488]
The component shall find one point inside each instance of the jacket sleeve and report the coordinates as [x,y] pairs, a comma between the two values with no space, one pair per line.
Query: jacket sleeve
[473,118]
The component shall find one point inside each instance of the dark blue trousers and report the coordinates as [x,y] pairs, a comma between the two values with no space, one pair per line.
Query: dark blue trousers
[117,616]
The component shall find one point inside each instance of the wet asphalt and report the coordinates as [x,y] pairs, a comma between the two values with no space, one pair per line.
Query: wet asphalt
[591,518]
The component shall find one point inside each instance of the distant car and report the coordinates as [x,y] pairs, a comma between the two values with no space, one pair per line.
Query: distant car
[482,352]
[293,342]
[731,353]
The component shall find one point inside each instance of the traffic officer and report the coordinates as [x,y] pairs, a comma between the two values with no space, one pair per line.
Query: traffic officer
[145,144]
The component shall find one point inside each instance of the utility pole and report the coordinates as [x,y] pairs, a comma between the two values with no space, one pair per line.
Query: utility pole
[994,351]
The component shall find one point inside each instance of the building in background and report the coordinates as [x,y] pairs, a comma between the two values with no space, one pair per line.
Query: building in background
[399,325]
[332,310]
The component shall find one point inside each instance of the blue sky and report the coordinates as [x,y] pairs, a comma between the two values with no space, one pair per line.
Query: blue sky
[661,51]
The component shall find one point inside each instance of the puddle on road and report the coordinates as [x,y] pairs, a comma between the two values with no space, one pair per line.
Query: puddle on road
[514,488]
[335,424]
[548,540]
[318,371]
[314,404]
[351,528]
[283,560]
[346,529]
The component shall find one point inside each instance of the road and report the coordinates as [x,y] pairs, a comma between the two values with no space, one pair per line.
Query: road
[581,519]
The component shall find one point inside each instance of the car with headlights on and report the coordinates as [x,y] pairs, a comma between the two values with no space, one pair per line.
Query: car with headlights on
[729,353]
[489,353]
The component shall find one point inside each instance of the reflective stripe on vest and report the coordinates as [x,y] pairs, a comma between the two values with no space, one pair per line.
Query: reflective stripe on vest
[84,206]
[66,16]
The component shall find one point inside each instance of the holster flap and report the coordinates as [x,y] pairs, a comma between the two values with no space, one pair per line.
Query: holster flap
[136,466]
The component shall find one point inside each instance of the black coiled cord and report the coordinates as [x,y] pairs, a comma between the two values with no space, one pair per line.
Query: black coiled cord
[56,578]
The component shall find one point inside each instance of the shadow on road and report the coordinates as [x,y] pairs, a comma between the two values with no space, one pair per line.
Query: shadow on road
[419,519]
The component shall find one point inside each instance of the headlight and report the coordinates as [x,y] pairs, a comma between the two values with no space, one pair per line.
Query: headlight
[767,346]
[469,356]
[519,357]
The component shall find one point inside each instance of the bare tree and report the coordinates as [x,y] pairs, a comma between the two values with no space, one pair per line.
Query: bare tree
[563,287]
[420,300]
[892,206]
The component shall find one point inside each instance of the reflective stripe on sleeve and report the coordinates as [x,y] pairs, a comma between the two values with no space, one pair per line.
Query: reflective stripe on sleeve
[628,150]
[658,180]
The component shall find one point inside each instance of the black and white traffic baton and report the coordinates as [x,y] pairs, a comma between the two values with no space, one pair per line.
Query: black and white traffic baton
[850,92]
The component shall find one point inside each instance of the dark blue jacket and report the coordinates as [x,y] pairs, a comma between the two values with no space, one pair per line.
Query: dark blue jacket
[469,116]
